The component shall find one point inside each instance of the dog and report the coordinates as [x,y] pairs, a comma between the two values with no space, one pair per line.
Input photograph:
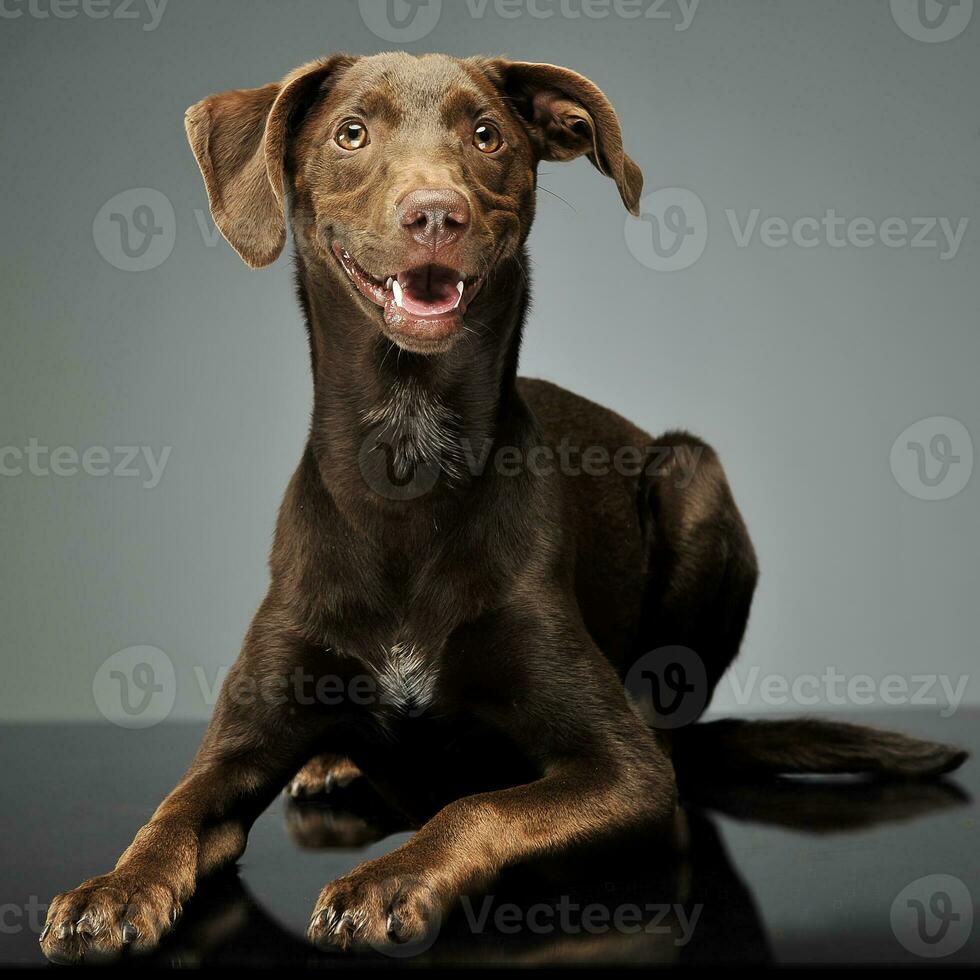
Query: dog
[457,634]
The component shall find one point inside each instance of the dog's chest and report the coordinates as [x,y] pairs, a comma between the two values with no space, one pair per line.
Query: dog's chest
[407,678]
[406,682]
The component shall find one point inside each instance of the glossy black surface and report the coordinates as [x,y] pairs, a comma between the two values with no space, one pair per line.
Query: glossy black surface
[792,871]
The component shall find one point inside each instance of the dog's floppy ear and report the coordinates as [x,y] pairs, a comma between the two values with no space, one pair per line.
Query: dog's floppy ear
[568,115]
[239,140]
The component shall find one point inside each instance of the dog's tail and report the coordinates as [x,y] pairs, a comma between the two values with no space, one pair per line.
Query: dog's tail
[735,749]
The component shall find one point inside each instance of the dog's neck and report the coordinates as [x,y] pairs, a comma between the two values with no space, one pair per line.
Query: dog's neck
[441,411]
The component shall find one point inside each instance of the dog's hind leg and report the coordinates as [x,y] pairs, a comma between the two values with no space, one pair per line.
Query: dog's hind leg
[702,577]
[321,776]
[703,568]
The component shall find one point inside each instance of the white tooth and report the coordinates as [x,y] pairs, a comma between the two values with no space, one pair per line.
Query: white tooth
[396,287]
[459,293]
[388,283]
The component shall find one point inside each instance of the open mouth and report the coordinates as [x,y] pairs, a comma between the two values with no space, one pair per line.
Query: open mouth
[424,304]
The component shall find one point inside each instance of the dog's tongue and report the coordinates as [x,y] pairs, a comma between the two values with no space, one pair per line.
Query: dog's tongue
[428,291]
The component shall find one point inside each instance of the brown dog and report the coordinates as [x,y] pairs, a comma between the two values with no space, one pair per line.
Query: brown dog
[454,605]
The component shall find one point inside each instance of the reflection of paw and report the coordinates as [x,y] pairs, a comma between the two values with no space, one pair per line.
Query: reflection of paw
[106,915]
[374,907]
[319,827]
[321,776]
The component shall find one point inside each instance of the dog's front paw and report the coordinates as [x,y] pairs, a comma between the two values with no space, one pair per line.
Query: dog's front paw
[380,906]
[105,916]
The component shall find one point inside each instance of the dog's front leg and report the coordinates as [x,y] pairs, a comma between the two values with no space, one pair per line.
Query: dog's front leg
[257,739]
[546,686]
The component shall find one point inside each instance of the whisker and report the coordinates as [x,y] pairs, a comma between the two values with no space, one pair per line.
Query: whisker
[560,198]
[391,347]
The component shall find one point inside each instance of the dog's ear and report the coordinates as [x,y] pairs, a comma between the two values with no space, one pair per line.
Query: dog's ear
[239,140]
[568,115]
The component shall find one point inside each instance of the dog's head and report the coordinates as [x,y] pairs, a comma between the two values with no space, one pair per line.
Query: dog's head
[411,177]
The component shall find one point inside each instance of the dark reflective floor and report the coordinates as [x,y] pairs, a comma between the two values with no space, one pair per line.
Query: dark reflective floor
[789,871]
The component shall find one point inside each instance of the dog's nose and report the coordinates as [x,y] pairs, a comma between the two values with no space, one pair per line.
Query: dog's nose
[434,217]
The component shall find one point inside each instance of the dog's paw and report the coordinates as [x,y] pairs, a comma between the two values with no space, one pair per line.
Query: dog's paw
[321,776]
[105,916]
[379,907]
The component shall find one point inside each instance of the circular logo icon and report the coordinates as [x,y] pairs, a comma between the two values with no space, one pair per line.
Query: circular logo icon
[136,687]
[135,230]
[932,20]
[404,940]
[670,685]
[400,21]
[391,463]
[933,916]
[933,458]
[671,232]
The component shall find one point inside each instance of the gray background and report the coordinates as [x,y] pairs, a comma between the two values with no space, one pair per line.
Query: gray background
[801,365]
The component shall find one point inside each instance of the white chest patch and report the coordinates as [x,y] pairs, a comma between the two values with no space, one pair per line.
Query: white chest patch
[407,680]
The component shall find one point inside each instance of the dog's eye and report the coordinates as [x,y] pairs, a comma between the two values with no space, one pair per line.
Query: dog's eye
[487,138]
[352,135]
